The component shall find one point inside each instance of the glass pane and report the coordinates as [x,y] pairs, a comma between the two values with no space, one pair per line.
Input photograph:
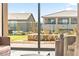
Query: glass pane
[74,20]
[51,21]
[22,24]
[47,26]
[56,18]
[63,21]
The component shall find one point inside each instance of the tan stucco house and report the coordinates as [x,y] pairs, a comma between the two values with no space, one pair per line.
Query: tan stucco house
[64,20]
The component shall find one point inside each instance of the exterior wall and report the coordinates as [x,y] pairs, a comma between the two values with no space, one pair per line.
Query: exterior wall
[31,23]
[45,20]
[19,26]
[25,25]
[22,26]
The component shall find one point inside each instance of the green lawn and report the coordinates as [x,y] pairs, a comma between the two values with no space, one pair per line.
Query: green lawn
[18,38]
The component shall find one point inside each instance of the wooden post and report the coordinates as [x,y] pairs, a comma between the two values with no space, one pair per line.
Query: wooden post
[59,46]
[65,46]
[62,43]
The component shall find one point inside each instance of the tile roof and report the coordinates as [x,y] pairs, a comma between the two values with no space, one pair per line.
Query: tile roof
[64,13]
[19,16]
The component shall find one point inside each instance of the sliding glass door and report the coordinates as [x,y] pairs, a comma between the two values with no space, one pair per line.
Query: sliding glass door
[37,25]
[22,24]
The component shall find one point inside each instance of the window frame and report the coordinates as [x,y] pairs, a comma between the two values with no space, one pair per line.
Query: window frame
[72,22]
[62,18]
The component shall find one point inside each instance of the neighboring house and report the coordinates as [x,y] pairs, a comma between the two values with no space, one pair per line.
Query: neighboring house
[64,21]
[21,22]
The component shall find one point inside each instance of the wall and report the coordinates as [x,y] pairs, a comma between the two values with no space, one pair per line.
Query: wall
[0,19]
[5,19]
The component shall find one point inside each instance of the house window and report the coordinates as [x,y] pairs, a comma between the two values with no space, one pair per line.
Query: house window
[73,20]
[51,21]
[63,21]
[12,23]
[12,26]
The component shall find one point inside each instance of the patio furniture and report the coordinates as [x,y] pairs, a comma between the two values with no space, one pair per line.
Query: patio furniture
[5,46]
[70,45]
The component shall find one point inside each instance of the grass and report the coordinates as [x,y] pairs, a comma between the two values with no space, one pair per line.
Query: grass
[18,38]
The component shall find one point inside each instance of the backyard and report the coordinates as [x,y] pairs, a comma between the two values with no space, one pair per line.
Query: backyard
[34,37]
[18,38]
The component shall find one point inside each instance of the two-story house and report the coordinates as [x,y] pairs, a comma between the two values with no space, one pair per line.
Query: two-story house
[64,21]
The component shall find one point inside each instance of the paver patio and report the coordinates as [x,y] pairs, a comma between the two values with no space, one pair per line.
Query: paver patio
[34,44]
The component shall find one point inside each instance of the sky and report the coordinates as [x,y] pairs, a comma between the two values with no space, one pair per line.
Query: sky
[45,8]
